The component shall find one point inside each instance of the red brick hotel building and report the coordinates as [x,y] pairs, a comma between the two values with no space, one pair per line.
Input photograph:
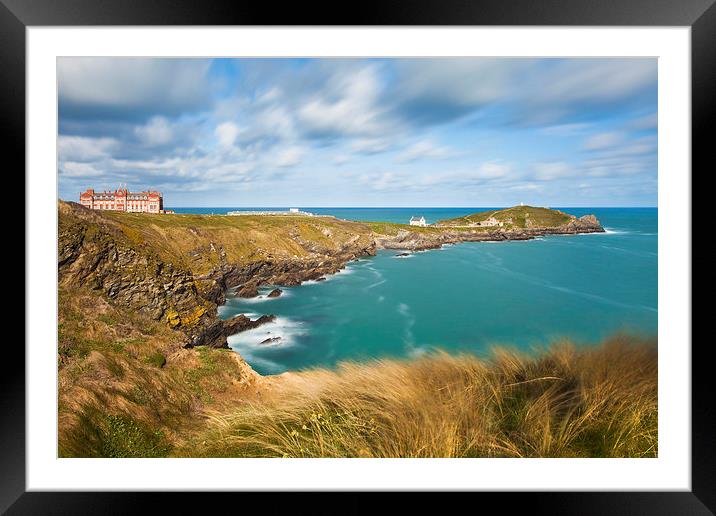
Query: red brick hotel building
[123,200]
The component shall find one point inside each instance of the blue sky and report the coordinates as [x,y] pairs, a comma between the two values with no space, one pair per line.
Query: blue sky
[362,132]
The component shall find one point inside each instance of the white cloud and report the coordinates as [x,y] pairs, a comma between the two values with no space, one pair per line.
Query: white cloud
[645,122]
[288,157]
[423,149]
[341,159]
[603,141]
[551,171]
[387,181]
[493,170]
[565,129]
[75,169]
[226,133]
[456,81]
[467,179]
[84,148]
[159,164]
[562,89]
[370,146]
[596,80]
[127,87]
[527,187]
[156,132]
[348,106]
[275,121]
[270,95]
[331,112]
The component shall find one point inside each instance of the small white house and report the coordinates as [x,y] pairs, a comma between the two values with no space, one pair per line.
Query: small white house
[491,221]
[293,210]
[417,221]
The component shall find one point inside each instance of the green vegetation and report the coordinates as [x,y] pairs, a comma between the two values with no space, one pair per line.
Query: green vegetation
[563,402]
[116,400]
[515,217]
[392,228]
[201,242]
[122,436]
[156,358]
[126,387]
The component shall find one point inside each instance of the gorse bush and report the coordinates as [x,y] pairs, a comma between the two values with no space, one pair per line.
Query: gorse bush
[561,402]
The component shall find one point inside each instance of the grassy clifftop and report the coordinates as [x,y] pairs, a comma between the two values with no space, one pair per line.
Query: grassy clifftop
[202,242]
[177,267]
[516,217]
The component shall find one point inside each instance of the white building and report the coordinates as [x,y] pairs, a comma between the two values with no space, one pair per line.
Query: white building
[293,210]
[417,221]
[490,221]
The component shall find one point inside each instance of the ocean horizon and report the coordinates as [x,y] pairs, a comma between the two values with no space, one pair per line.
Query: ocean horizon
[387,213]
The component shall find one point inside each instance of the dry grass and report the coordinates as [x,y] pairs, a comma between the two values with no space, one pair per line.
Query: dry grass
[126,387]
[196,242]
[562,402]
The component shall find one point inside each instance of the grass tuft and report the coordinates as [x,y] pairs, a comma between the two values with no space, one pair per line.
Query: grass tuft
[563,402]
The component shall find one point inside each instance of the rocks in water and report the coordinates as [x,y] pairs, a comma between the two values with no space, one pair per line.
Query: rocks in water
[248,290]
[400,255]
[590,220]
[263,320]
[215,335]
[584,224]
[270,340]
[275,292]
[322,278]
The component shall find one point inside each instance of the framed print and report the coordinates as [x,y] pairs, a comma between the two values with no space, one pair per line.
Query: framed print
[444,248]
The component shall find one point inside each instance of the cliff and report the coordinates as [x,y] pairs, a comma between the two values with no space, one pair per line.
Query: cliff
[142,354]
[177,268]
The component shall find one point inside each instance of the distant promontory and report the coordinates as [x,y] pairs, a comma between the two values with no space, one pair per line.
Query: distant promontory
[516,223]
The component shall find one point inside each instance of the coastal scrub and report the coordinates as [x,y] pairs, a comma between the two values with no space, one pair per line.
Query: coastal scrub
[562,402]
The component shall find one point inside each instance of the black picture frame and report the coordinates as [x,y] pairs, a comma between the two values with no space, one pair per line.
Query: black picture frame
[17,15]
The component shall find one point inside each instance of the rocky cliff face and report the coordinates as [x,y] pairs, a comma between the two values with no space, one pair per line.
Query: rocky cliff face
[95,253]
[279,272]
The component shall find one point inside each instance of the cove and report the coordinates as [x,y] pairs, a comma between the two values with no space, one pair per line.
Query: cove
[463,298]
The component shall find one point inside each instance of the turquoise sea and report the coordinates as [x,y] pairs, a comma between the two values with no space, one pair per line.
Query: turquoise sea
[466,297]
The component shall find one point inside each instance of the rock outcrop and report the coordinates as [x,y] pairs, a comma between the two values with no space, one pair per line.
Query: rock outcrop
[249,289]
[96,254]
[99,253]
[216,333]
[408,240]
[275,293]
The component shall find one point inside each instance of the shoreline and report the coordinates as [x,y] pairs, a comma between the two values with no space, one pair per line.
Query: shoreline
[180,269]
[141,339]
[385,250]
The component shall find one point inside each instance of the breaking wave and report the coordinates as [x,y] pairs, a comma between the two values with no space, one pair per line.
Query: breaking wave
[284,329]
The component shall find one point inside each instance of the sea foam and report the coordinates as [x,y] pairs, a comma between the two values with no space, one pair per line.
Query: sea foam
[285,328]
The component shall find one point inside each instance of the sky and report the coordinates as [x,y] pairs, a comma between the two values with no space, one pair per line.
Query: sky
[463,132]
